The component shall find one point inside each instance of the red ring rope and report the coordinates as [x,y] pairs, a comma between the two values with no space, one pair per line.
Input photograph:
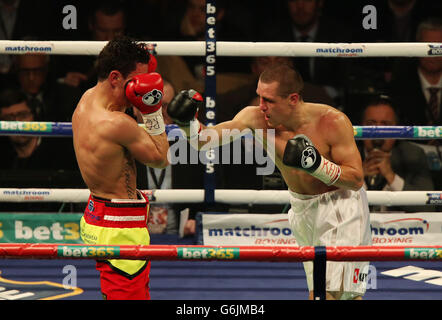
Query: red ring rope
[229,253]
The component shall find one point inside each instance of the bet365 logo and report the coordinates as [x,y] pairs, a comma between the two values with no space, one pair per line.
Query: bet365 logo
[429,132]
[208,253]
[54,232]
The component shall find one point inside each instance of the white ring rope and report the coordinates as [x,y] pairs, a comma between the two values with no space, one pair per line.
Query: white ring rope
[238,49]
[229,196]
[225,48]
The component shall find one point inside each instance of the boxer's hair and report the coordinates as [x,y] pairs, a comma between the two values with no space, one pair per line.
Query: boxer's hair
[290,81]
[122,54]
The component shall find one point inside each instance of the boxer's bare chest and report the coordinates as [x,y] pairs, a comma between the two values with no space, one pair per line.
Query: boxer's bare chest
[275,141]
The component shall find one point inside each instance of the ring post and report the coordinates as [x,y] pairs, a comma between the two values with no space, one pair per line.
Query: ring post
[210,98]
[319,270]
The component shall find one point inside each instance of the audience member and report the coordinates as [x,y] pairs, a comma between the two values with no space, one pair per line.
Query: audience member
[389,164]
[51,100]
[106,20]
[304,21]
[385,21]
[18,19]
[417,84]
[29,152]
[188,23]
[397,20]
[32,161]
[417,89]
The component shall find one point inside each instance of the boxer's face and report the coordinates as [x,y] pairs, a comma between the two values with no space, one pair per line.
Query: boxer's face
[273,106]
[119,82]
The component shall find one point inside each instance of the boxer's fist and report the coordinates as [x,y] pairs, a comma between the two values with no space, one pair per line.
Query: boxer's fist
[302,154]
[184,106]
[145,92]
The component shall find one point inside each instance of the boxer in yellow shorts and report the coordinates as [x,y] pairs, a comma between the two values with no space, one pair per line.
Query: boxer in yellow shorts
[107,142]
[119,222]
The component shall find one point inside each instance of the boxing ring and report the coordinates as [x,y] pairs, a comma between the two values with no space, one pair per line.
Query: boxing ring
[203,258]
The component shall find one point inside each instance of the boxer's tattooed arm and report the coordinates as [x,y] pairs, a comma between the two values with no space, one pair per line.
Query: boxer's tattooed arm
[129,175]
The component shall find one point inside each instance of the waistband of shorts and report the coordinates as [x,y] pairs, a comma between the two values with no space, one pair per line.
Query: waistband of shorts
[300,196]
[117,213]
[123,203]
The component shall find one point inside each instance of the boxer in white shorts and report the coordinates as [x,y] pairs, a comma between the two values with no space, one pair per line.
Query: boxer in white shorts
[314,148]
[335,218]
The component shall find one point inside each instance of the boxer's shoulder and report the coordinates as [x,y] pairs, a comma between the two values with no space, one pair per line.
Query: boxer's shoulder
[251,117]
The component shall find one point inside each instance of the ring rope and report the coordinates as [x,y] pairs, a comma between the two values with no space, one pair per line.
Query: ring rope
[64,129]
[238,49]
[224,253]
[229,196]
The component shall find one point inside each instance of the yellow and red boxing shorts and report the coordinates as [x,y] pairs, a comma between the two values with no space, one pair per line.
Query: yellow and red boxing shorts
[119,222]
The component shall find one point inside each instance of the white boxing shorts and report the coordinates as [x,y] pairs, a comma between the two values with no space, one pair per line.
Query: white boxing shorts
[336,218]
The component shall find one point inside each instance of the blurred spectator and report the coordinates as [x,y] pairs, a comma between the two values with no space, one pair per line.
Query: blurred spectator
[188,23]
[389,164]
[397,20]
[31,152]
[106,20]
[305,21]
[31,161]
[20,18]
[417,85]
[417,88]
[51,100]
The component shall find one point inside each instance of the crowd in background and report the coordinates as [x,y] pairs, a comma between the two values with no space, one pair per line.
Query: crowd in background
[48,87]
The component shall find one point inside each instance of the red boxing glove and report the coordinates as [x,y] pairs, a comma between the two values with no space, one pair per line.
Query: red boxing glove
[145,92]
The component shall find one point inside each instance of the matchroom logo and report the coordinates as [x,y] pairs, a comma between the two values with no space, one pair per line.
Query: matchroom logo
[419,226]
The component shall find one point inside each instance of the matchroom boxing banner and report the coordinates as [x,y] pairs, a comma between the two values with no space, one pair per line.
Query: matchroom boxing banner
[274,230]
